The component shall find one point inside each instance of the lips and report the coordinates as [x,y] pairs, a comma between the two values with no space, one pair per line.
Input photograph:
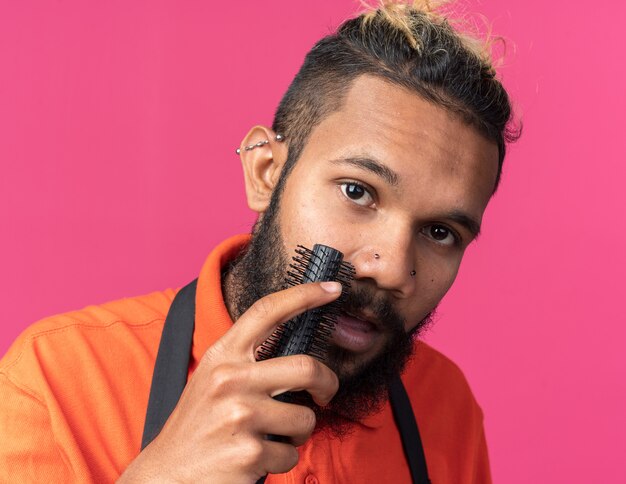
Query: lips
[355,333]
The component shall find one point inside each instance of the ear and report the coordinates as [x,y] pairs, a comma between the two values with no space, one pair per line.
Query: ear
[261,166]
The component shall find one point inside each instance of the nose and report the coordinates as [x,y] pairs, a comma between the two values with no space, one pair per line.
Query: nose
[388,261]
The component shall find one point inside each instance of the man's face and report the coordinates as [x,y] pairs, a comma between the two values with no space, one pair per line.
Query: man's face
[398,185]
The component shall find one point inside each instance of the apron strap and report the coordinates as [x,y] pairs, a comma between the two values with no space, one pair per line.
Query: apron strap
[409,432]
[172,363]
[172,366]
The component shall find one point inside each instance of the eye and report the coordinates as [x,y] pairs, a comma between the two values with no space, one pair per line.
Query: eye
[441,234]
[357,193]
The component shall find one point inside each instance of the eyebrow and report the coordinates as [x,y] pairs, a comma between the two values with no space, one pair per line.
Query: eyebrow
[371,165]
[392,178]
[466,221]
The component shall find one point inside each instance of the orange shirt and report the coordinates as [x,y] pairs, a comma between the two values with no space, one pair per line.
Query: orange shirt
[74,391]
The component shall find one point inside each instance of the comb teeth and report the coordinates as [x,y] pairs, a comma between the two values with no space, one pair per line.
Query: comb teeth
[309,333]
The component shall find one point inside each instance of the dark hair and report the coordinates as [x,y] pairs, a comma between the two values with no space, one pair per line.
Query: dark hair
[413,47]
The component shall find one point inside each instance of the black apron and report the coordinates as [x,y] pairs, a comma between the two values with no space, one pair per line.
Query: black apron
[170,377]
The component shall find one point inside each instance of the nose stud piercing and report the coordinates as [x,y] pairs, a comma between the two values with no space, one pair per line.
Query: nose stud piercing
[377,256]
[412,273]
[278,137]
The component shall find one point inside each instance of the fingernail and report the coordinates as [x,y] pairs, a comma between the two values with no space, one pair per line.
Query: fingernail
[331,286]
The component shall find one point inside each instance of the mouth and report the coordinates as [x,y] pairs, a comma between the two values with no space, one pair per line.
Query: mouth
[355,332]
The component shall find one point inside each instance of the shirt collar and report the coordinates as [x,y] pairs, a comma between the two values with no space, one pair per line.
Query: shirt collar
[212,318]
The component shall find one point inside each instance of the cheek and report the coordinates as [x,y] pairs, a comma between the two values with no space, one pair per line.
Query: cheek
[309,214]
[303,218]
[441,283]
[436,278]
[443,278]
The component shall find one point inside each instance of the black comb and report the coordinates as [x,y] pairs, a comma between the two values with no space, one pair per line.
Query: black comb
[309,332]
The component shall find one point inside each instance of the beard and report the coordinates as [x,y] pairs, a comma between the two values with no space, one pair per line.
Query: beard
[363,390]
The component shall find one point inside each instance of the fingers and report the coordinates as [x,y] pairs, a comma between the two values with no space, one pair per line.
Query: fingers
[279,457]
[270,378]
[285,419]
[231,393]
[295,373]
[258,322]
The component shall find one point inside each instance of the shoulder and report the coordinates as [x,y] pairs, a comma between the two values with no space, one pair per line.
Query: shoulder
[435,382]
[449,418]
[102,333]
[431,363]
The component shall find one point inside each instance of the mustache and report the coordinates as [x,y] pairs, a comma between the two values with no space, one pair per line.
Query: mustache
[363,299]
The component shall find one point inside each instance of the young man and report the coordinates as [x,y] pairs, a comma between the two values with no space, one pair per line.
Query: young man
[387,146]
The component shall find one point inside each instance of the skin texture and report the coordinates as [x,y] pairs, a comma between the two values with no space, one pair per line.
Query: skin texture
[443,173]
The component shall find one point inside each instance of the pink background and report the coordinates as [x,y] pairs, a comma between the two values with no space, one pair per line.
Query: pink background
[118,122]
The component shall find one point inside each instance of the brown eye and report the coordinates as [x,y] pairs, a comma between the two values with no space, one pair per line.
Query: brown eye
[354,191]
[357,193]
[440,234]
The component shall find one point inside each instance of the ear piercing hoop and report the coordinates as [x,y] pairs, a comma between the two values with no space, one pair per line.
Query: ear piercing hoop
[278,137]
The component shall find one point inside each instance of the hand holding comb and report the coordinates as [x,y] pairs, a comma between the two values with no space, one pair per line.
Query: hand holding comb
[309,332]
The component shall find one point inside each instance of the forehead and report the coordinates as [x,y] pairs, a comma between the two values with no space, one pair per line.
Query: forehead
[426,145]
